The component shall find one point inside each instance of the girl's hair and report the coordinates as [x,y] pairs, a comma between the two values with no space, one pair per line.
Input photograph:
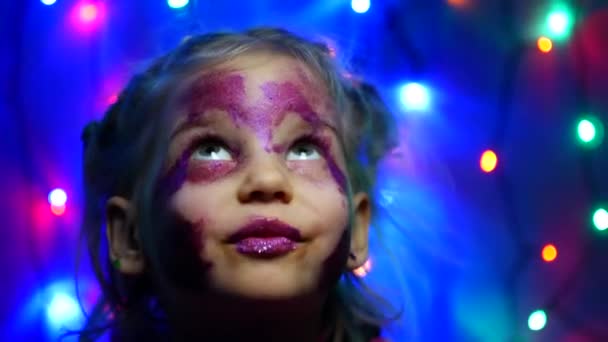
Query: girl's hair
[125,151]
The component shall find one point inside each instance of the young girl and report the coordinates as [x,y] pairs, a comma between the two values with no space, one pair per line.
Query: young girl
[229,196]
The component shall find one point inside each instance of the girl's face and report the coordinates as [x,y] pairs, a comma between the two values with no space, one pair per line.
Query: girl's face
[257,175]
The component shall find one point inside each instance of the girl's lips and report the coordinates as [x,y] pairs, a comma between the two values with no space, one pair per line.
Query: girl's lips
[265,247]
[265,238]
[265,228]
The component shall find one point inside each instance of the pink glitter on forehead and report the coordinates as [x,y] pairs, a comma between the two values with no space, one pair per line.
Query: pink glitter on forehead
[217,91]
[287,97]
[226,91]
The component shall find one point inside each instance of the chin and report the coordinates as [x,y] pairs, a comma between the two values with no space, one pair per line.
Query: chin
[267,284]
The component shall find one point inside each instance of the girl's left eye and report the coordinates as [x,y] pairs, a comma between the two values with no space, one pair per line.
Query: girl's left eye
[304,150]
[212,150]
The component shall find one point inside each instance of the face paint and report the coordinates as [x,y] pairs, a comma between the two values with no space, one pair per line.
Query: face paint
[222,91]
[217,91]
[305,168]
[209,171]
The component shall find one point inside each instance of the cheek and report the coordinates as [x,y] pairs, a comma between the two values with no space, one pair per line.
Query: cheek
[319,172]
[180,247]
[208,171]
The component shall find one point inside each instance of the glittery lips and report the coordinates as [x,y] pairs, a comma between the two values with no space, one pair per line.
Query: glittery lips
[265,238]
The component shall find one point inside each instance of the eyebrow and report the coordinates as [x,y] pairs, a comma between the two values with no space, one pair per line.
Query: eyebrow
[203,120]
[192,121]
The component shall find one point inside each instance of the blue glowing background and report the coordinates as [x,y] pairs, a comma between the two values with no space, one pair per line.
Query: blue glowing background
[462,76]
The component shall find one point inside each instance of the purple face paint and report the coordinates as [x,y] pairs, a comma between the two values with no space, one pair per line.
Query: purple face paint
[196,171]
[209,171]
[217,91]
[280,99]
[223,91]
[324,148]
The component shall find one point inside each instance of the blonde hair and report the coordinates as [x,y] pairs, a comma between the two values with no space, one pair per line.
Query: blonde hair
[124,155]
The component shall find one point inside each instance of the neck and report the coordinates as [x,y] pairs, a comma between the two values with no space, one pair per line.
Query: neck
[226,318]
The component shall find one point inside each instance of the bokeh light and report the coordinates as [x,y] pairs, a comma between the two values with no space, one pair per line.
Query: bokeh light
[63,310]
[48,2]
[537,320]
[559,23]
[488,161]
[549,253]
[57,197]
[414,96]
[458,3]
[87,16]
[112,99]
[600,219]
[590,131]
[544,44]
[360,6]
[58,210]
[176,4]
[88,12]
[586,131]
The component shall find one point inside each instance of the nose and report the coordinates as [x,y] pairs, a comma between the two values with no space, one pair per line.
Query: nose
[265,181]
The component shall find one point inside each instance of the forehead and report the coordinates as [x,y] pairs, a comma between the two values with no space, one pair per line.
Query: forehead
[261,77]
[263,68]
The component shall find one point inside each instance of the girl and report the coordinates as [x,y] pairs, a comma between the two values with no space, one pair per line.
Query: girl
[228,196]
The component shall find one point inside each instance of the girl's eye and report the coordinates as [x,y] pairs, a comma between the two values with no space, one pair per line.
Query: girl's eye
[212,150]
[304,150]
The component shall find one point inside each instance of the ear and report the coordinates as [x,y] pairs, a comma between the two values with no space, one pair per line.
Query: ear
[123,240]
[359,243]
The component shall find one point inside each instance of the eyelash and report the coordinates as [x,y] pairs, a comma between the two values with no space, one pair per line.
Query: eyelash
[207,138]
[310,139]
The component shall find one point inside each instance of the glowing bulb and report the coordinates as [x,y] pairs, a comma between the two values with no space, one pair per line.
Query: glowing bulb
[112,99]
[537,320]
[57,197]
[549,253]
[590,131]
[88,12]
[58,210]
[558,22]
[176,4]
[600,219]
[458,3]
[360,6]
[488,161]
[415,96]
[544,44]
[62,309]
[586,130]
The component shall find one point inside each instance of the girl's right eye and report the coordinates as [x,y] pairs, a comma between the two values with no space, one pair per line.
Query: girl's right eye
[211,150]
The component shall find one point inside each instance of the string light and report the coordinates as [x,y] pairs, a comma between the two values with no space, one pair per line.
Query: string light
[544,44]
[88,12]
[549,253]
[177,4]
[414,97]
[537,320]
[559,23]
[600,219]
[57,197]
[360,6]
[488,161]
[590,131]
